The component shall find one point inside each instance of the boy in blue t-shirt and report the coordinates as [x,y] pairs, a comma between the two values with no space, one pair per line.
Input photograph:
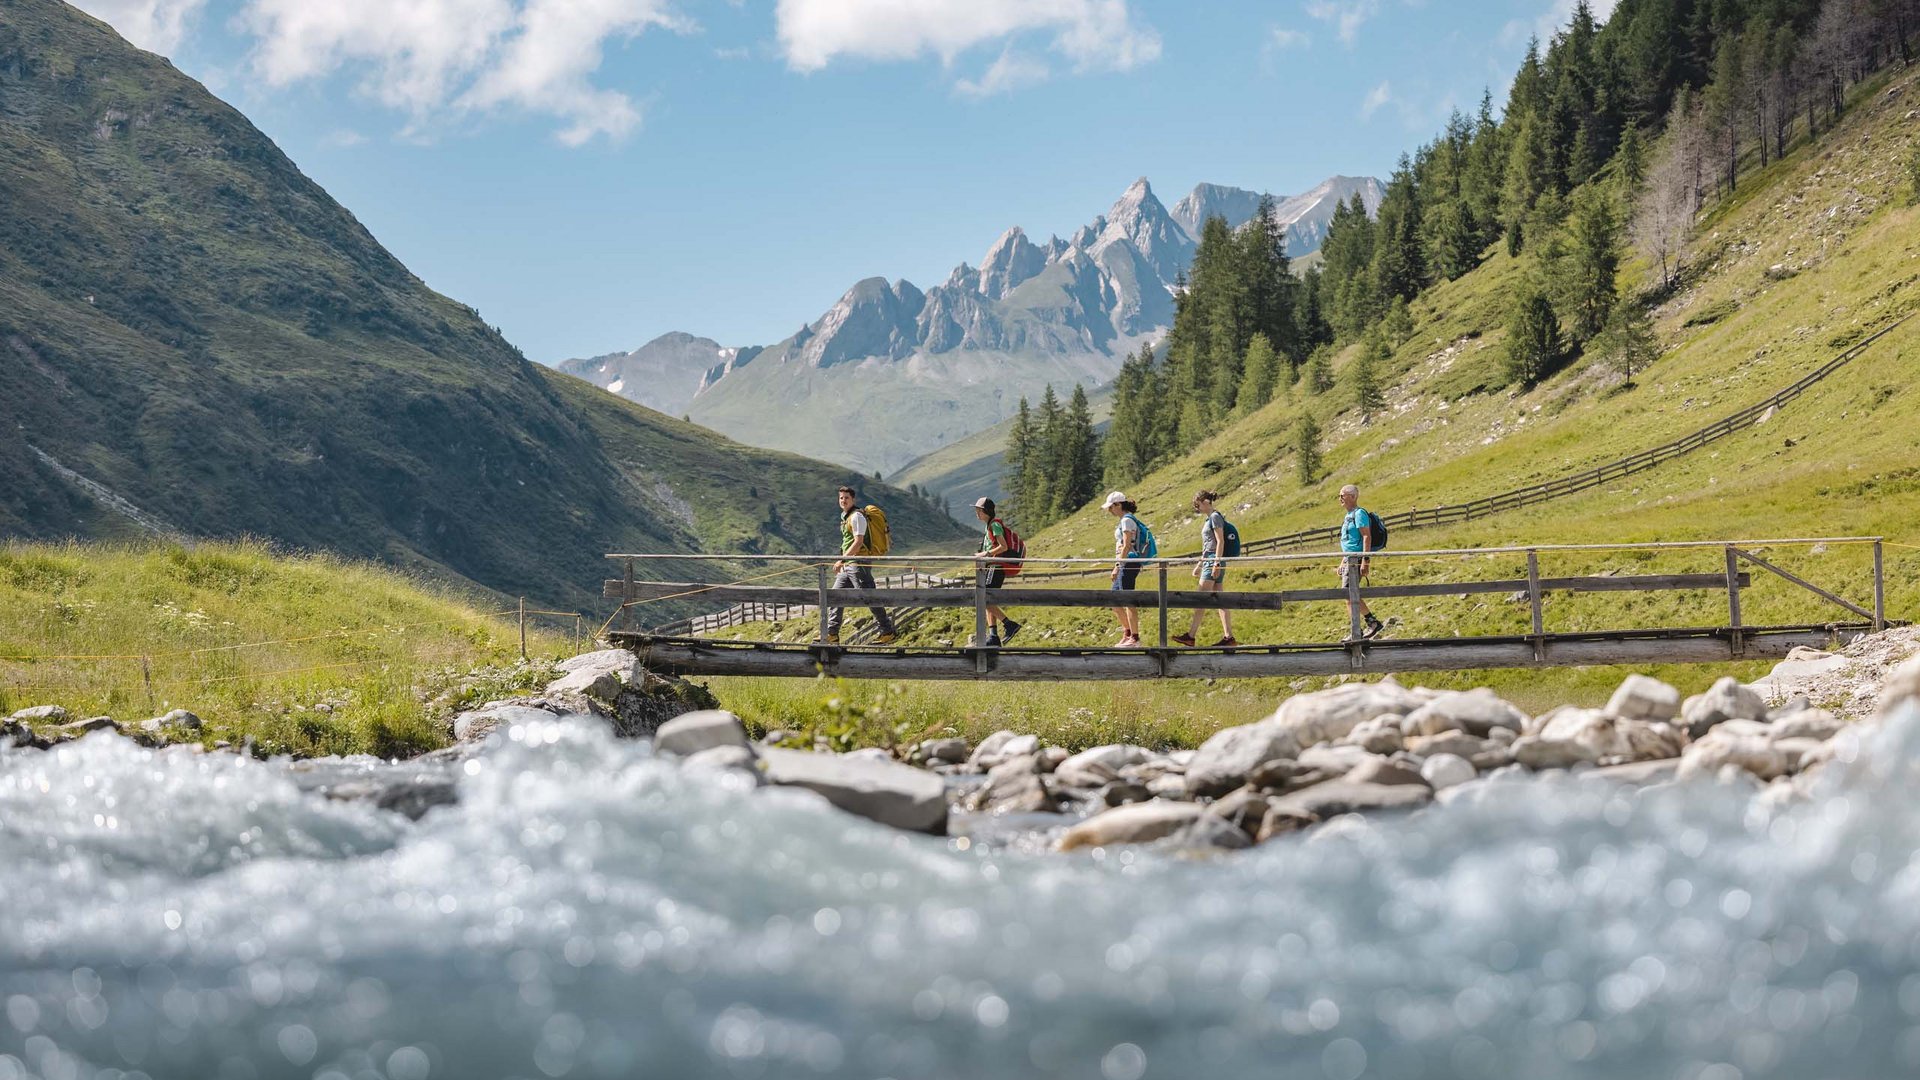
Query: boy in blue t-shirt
[1355,536]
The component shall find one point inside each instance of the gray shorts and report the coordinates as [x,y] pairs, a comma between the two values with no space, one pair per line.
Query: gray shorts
[1348,567]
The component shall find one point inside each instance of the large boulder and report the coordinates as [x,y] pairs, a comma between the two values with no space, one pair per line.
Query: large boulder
[1593,729]
[1226,759]
[1335,797]
[884,791]
[1326,715]
[1725,700]
[1643,698]
[991,749]
[943,751]
[690,733]
[1476,712]
[1135,823]
[1442,771]
[1754,753]
[598,675]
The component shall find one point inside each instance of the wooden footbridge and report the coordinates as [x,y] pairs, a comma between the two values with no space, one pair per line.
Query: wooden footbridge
[1729,573]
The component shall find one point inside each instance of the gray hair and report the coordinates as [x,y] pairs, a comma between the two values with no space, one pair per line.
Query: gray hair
[1350,490]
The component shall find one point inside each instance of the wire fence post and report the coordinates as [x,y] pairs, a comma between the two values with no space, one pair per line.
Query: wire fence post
[1879,588]
[146,679]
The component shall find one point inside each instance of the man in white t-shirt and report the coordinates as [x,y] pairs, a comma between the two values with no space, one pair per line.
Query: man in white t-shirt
[850,572]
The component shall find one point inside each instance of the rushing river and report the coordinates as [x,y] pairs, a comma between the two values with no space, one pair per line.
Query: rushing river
[587,910]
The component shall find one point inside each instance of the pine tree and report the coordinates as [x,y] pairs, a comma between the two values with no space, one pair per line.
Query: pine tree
[1261,373]
[1585,268]
[1040,500]
[1022,442]
[1397,325]
[1081,477]
[1628,344]
[1306,448]
[1132,444]
[1630,164]
[1366,386]
[1320,370]
[1533,338]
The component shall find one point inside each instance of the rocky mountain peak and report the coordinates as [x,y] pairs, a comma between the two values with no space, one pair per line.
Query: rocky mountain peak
[1012,260]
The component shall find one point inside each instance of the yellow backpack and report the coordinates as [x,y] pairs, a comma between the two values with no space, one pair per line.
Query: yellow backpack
[879,540]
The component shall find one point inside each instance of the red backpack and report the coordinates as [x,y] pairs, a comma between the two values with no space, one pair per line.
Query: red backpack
[1013,561]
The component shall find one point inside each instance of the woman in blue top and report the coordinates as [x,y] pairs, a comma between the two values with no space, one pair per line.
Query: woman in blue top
[1211,569]
[1128,543]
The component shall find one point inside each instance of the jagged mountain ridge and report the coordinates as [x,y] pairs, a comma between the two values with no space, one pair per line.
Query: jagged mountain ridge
[960,354]
[663,374]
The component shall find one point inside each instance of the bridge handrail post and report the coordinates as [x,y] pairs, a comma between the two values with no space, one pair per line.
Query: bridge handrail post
[1533,593]
[1879,587]
[1352,566]
[1733,595]
[824,585]
[626,596]
[1163,603]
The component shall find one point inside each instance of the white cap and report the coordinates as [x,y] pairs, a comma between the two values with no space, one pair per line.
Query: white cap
[1114,498]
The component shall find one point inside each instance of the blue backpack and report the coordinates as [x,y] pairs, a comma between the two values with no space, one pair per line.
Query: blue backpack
[1144,545]
[1232,537]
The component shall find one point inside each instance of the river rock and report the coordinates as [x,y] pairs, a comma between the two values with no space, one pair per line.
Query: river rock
[1113,757]
[1638,772]
[75,728]
[1593,729]
[1717,750]
[1210,832]
[599,675]
[41,714]
[1121,792]
[1442,771]
[1643,698]
[1725,700]
[883,791]
[1475,712]
[1230,754]
[1137,823]
[945,751]
[1800,751]
[1380,735]
[409,797]
[1325,715]
[690,733]
[479,723]
[1088,776]
[1052,757]
[1458,743]
[986,755]
[1335,797]
[1280,821]
[1807,724]
[1537,752]
[725,757]
[1380,770]
[1339,760]
[1902,686]
[178,720]
[1245,807]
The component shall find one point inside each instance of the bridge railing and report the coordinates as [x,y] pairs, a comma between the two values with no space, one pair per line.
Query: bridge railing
[966,585]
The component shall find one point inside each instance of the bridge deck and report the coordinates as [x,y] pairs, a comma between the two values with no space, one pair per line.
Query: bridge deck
[1720,644]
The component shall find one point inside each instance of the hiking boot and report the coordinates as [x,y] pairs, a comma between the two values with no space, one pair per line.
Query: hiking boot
[887,638]
[1008,629]
[1182,639]
[830,639]
[1224,643]
[1374,628]
[993,641]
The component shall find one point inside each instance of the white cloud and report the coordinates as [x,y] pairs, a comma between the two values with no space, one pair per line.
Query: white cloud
[435,59]
[1345,16]
[155,25]
[1007,74]
[1282,38]
[1094,35]
[1377,97]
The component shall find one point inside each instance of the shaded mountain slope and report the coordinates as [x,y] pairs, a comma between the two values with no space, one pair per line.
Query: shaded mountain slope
[192,326]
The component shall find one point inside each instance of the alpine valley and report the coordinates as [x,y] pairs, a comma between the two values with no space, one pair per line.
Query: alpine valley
[892,371]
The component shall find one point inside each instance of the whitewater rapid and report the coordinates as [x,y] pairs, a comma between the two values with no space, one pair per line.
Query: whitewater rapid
[587,910]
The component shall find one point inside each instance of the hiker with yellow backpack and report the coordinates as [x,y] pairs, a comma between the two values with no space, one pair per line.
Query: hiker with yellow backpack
[863,532]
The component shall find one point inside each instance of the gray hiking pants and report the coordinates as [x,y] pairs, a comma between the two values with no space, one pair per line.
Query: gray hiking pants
[856,576]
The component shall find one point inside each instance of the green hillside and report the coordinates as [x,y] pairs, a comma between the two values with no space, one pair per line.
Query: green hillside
[195,339]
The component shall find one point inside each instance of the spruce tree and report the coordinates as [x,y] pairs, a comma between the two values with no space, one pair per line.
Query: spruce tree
[1533,337]
[1320,370]
[1132,434]
[1586,265]
[1628,344]
[1397,325]
[1081,476]
[1630,164]
[1022,441]
[1366,385]
[1041,499]
[1306,448]
[1261,373]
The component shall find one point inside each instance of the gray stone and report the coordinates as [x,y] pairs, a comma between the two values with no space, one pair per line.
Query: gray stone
[480,723]
[1230,754]
[1475,712]
[1457,743]
[1010,790]
[1598,733]
[1113,757]
[950,751]
[1325,715]
[41,714]
[1246,808]
[1092,776]
[1902,686]
[177,720]
[1443,771]
[1720,750]
[1641,697]
[1379,770]
[1537,752]
[1136,823]
[1121,792]
[1282,820]
[1210,832]
[989,751]
[1169,786]
[884,791]
[1380,735]
[91,723]
[1337,759]
[690,733]
[1052,757]
[599,675]
[411,798]
[1019,746]
[1799,751]
[1498,756]
[1807,724]
[1335,797]
[867,753]
[1725,700]
[741,758]
[1639,772]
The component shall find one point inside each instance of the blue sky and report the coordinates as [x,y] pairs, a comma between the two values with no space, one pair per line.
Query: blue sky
[592,173]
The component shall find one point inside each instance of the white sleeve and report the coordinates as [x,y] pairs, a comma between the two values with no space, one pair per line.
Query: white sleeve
[858,523]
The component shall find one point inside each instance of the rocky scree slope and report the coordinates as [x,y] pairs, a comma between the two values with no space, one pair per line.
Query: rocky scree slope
[196,339]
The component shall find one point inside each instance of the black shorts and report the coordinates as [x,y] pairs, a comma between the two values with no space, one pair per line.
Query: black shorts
[1128,575]
[997,577]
